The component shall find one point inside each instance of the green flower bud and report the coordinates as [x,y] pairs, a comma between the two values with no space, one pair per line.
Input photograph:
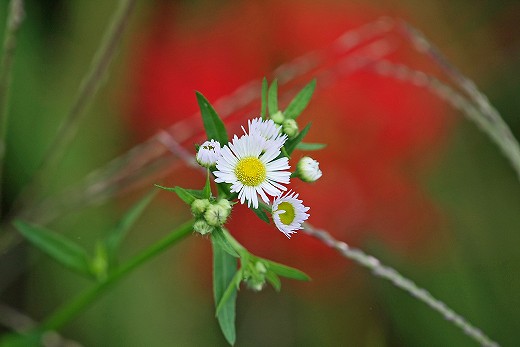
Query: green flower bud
[260,267]
[224,203]
[202,227]
[199,206]
[255,276]
[216,215]
[278,117]
[290,127]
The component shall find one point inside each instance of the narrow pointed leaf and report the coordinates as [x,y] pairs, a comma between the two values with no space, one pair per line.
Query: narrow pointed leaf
[218,237]
[230,290]
[304,146]
[290,145]
[185,195]
[215,129]
[261,214]
[118,234]
[300,101]
[274,280]
[272,98]
[224,269]
[263,111]
[61,249]
[287,271]
[196,193]
[169,189]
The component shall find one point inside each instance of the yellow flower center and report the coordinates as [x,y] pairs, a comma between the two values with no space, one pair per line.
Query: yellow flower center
[250,171]
[288,216]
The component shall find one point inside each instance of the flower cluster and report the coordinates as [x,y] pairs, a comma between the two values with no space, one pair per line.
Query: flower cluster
[254,165]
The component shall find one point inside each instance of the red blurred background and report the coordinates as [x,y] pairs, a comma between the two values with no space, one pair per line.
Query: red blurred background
[380,132]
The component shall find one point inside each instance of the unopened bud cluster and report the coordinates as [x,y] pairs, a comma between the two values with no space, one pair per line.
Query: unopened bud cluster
[210,215]
[254,275]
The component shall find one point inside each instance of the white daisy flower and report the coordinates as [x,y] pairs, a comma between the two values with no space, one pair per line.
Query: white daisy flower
[249,163]
[289,213]
[266,129]
[308,169]
[208,153]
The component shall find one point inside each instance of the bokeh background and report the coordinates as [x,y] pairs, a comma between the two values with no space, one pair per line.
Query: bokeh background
[406,178]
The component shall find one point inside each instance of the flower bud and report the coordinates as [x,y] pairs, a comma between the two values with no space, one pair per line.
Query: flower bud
[208,153]
[225,204]
[202,227]
[290,127]
[199,206]
[278,117]
[216,215]
[308,169]
[255,277]
[260,268]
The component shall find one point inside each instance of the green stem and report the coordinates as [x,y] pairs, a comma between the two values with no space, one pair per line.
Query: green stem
[67,312]
[14,21]
[241,250]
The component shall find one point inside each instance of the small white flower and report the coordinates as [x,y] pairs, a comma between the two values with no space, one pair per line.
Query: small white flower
[308,169]
[208,153]
[268,130]
[249,163]
[289,213]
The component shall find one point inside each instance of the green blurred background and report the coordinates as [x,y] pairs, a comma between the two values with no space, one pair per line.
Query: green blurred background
[467,255]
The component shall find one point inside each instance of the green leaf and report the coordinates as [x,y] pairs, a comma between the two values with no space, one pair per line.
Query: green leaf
[165,188]
[261,214]
[206,192]
[223,190]
[290,145]
[224,269]
[118,234]
[230,290]
[215,129]
[218,237]
[196,193]
[186,195]
[274,280]
[61,249]
[272,98]
[32,339]
[263,111]
[304,146]
[287,271]
[300,101]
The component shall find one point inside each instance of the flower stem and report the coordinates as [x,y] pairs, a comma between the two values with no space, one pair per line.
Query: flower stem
[67,312]
[401,282]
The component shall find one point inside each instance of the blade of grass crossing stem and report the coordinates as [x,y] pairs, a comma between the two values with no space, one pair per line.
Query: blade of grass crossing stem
[224,269]
[215,129]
